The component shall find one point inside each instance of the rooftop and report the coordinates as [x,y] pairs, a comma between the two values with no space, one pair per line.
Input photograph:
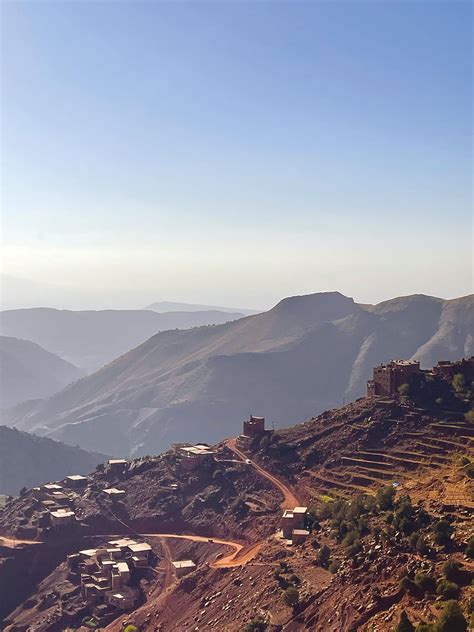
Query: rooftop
[300,510]
[184,564]
[114,491]
[76,477]
[138,548]
[117,461]
[63,513]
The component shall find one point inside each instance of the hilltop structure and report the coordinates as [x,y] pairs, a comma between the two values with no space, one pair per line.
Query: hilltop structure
[387,378]
[253,428]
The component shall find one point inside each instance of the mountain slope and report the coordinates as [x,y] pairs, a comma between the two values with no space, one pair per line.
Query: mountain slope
[27,371]
[90,339]
[27,460]
[303,356]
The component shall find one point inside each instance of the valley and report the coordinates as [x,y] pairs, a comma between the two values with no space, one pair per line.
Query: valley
[386,484]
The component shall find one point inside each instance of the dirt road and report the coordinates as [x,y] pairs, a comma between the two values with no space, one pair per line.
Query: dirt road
[13,543]
[240,555]
[289,499]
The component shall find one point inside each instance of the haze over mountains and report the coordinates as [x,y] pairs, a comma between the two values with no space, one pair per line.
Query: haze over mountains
[168,306]
[27,371]
[27,460]
[90,339]
[299,358]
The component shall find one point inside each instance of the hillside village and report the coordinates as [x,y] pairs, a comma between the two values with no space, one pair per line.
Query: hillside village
[340,523]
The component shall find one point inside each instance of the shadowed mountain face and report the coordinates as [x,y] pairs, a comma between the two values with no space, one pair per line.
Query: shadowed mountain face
[27,371]
[90,339]
[303,356]
[27,460]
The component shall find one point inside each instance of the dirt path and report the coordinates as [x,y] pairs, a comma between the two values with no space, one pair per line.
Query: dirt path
[12,543]
[240,555]
[289,499]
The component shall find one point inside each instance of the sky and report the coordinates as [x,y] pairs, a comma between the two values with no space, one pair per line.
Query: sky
[234,152]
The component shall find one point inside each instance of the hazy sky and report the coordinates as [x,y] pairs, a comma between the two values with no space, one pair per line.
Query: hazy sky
[236,152]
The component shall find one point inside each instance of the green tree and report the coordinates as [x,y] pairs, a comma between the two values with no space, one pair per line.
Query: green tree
[404,624]
[404,390]
[291,597]
[458,382]
[452,619]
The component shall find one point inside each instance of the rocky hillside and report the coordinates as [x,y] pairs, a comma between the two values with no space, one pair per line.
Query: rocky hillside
[27,460]
[27,371]
[306,354]
[90,339]
[389,530]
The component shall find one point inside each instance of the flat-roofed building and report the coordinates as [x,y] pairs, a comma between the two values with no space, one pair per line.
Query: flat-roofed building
[113,491]
[62,517]
[298,536]
[195,455]
[76,480]
[183,567]
[117,465]
[125,599]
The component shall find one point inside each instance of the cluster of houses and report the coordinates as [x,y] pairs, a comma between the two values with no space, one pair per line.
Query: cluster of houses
[55,500]
[107,575]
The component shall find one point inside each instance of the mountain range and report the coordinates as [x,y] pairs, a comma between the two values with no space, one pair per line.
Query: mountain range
[303,356]
[169,306]
[27,371]
[90,339]
[27,460]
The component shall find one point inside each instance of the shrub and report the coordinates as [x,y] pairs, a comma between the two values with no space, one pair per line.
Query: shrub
[406,584]
[294,579]
[470,548]
[291,597]
[451,569]
[334,566]
[404,624]
[385,497]
[442,532]
[130,628]
[404,390]
[447,589]
[425,582]
[421,546]
[458,382]
[23,491]
[323,555]
[256,625]
[451,619]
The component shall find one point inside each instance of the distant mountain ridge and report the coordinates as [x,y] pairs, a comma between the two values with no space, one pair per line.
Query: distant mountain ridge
[169,306]
[27,371]
[301,357]
[90,339]
[27,460]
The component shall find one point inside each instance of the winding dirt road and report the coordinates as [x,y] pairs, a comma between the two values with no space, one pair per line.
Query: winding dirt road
[289,499]
[240,555]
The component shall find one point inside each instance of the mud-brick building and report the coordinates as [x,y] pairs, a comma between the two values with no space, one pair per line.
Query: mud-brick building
[253,428]
[447,369]
[387,378]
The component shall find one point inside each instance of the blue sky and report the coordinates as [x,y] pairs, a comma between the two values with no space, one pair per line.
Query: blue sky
[237,152]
